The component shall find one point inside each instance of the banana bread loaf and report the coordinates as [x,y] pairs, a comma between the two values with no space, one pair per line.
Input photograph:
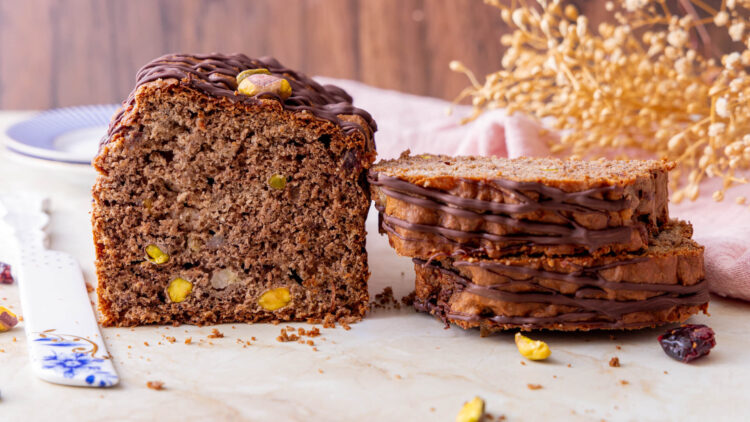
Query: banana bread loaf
[626,291]
[232,189]
[488,206]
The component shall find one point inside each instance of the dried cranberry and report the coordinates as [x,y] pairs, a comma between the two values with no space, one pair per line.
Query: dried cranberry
[5,276]
[688,342]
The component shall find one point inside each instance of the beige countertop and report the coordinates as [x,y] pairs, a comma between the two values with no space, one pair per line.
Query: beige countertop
[394,365]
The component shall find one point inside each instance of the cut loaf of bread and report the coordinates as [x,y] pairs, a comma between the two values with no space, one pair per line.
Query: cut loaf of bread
[217,204]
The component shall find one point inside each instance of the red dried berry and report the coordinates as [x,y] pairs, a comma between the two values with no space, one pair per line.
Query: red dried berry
[5,276]
[688,342]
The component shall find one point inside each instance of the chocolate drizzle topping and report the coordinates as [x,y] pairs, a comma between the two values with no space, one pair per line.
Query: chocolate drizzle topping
[551,199]
[215,74]
[603,313]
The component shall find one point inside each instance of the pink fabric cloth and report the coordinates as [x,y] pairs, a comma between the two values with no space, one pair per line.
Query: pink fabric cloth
[421,124]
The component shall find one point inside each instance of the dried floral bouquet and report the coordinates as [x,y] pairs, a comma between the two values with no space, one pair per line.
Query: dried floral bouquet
[640,81]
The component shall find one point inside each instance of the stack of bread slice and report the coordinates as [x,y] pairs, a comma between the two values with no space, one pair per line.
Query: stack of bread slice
[536,243]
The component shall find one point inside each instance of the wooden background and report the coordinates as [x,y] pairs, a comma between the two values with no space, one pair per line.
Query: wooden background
[66,52]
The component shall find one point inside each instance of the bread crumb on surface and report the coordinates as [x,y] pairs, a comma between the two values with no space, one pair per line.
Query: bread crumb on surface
[188,340]
[155,385]
[534,386]
[614,362]
[385,300]
[216,334]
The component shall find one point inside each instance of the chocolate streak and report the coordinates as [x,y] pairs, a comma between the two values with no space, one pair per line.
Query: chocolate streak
[597,309]
[551,199]
[215,74]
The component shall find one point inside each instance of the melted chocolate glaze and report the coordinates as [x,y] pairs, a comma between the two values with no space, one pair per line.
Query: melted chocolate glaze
[591,239]
[569,320]
[601,309]
[587,277]
[215,74]
[551,199]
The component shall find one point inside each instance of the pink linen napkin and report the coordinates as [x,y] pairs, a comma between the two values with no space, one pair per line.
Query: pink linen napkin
[422,125]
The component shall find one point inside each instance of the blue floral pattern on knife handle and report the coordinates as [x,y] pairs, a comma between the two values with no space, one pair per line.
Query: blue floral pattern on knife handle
[76,357]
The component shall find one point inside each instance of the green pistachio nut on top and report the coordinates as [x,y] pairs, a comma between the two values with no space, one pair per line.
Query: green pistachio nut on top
[245,73]
[260,84]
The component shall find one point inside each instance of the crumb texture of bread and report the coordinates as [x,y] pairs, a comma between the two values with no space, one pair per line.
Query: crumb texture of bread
[241,196]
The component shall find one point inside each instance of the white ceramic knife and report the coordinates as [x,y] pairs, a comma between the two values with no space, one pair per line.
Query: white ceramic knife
[65,344]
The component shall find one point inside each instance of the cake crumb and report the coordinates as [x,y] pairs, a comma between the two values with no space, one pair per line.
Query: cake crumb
[408,300]
[570,366]
[624,382]
[89,287]
[155,385]
[523,363]
[614,362]
[284,336]
[534,386]
[189,340]
[665,372]
[216,334]
[145,343]
[385,300]
[618,347]
[320,371]
[171,339]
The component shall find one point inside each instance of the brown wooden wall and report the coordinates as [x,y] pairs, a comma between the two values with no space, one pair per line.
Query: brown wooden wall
[66,52]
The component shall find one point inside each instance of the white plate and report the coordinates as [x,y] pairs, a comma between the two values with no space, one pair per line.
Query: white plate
[68,135]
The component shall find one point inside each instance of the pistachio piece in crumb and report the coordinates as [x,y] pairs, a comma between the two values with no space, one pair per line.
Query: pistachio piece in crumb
[275,299]
[179,289]
[277,182]
[472,411]
[156,255]
[532,349]
[261,84]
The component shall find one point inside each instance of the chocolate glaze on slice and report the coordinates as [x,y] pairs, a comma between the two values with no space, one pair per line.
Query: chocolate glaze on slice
[533,233]
[602,313]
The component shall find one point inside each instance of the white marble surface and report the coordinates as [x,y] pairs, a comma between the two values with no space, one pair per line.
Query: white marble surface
[394,365]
